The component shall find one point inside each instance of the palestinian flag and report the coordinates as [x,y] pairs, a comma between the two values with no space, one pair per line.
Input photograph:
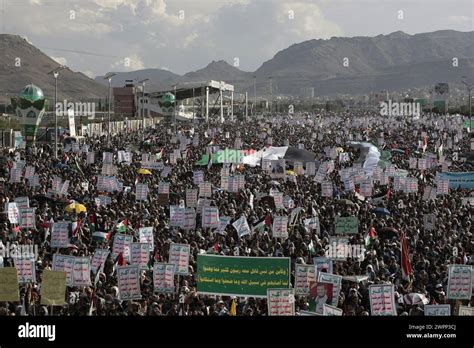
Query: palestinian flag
[260,225]
[204,161]
[159,155]
[369,237]
[122,226]
[214,249]
[101,236]
[92,221]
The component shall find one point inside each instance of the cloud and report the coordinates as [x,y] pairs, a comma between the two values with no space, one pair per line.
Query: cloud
[180,34]
[129,63]
[60,60]
[460,19]
[186,35]
[89,73]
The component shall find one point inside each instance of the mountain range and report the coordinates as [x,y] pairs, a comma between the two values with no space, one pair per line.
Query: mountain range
[22,64]
[340,65]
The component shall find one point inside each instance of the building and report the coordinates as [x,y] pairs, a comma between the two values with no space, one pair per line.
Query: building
[125,101]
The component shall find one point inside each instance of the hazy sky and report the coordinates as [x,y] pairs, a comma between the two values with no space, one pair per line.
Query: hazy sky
[185,35]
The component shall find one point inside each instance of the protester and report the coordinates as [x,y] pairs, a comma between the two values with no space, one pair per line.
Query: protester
[430,251]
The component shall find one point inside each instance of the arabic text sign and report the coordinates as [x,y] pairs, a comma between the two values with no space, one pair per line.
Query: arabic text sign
[347,225]
[60,235]
[82,271]
[438,310]
[191,198]
[129,282]
[53,288]
[27,218]
[9,285]
[281,302]
[100,256]
[146,236]
[179,256]
[280,227]
[13,212]
[382,300]
[210,217]
[331,310]
[456,180]
[122,245]
[459,282]
[246,276]
[139,254]
[26,269]
[163,277]
[64,263]
[465,311]
[304,274]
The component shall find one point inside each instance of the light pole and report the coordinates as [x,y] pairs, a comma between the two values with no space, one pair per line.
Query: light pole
[109,78]
[142,108]
[55,74]
[174,109]
[271,93]
[254,109]
[469,89]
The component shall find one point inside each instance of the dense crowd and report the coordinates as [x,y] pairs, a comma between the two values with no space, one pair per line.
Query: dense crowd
[451,241]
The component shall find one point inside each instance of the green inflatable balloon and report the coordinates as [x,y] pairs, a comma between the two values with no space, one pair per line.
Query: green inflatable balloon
[167,105]
[30,106]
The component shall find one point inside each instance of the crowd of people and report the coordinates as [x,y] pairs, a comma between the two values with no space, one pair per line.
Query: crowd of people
[431,251]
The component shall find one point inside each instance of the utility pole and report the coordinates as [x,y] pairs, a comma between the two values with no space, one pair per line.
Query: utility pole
[55,74]
[207,104]
[175,109]
[254,109]
[109,78]
[271,93]
[246,106]
[142,107]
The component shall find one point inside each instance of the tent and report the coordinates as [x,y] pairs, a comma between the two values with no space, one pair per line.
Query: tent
[369,155]
[288,153]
